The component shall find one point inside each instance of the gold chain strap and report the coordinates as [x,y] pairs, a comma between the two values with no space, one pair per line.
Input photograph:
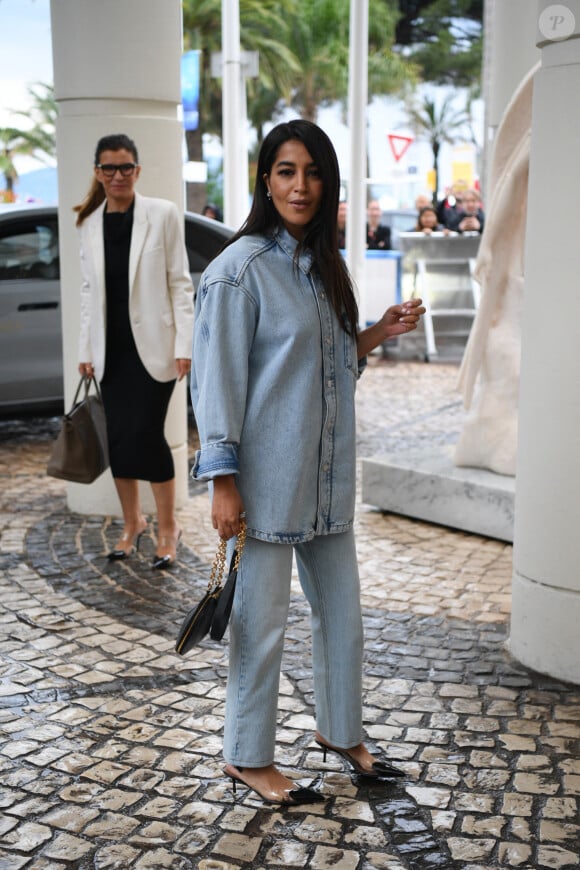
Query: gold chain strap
[219,562]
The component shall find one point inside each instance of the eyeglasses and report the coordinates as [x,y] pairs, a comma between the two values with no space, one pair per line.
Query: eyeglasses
[109,169]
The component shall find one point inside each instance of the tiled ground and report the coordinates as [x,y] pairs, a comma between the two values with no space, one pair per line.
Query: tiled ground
[110,743]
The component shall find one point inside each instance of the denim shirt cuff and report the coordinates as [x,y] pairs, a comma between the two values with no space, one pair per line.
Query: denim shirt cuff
[215,460]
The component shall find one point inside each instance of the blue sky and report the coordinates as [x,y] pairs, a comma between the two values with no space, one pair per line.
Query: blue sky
[26,55]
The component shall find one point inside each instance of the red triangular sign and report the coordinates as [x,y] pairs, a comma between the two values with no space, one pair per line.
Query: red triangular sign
[399,144]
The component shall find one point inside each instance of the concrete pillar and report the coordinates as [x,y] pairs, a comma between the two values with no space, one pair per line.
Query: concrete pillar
[234,120]
[509,53]
[545,629]
[116,70]
[357,122]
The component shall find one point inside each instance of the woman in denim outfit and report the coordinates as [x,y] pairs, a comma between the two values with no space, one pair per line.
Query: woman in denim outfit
[276,356]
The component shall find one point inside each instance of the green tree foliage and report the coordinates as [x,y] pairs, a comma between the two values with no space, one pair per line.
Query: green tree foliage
[303,47]
[263,28]
[38,141]
[303,50]
[444,37]
[42,113]
[13,142]
[320,39]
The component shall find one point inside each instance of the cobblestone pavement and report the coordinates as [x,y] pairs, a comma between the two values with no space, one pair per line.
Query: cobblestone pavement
[110,743]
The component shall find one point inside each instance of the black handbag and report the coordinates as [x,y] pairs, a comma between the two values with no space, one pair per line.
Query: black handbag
[212,614]
[80,452]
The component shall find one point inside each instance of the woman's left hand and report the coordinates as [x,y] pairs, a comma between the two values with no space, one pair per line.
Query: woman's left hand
[399,319]
[182,367]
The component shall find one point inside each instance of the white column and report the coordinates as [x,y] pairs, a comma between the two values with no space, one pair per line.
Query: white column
[545,629]
[234,118]
[357,122]
[509,53]
[116,70]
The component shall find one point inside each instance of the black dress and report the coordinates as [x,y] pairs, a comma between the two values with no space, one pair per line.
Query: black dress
[135,403]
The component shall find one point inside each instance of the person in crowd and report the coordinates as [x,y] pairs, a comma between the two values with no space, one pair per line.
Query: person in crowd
[276,356]
[378,235]
[422,200]
[469,217]
[211,210]
[449,207]
[427,221]
[341,224]
[135,332]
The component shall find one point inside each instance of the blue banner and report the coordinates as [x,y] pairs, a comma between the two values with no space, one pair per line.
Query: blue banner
[190,89]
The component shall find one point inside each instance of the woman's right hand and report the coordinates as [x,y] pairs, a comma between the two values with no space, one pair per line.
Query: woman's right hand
[227,506]
[86,369]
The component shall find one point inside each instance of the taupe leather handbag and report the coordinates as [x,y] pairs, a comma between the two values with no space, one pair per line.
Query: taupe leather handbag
[80,451]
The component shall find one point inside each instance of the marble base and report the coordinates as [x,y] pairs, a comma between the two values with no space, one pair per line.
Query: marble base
[426,485]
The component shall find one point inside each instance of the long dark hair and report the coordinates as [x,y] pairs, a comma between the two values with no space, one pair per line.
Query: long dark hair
[96,193]
[320,235]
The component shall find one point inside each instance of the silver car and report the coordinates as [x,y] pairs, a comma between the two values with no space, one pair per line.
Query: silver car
[30,318]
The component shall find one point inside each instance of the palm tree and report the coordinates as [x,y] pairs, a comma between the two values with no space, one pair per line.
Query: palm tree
[437,124]
[43,113]
[263,28]
[39,141]
[320,39]
[13,142]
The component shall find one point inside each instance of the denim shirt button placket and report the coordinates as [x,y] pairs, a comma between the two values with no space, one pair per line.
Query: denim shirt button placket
[326,453]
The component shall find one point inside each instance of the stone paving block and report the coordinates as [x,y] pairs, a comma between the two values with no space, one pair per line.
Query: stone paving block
[115,857]
[366,836]
[514,854]
[520,828]
[532,783]
[30,808]
[26,837]
[319,830]
[211,864]
[430,797]
[159,859]
[560,808]
[14,862]
[69,817]
[238,846]
[325,858]
[195,840]
[111,826]
[469,850]
[560,832]
[557,858]
[156,833]
[442,697]
[474,802]
[380,861]
[514,804]
[572,784]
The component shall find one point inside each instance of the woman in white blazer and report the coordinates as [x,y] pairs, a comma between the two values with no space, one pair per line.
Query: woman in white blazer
[135,332]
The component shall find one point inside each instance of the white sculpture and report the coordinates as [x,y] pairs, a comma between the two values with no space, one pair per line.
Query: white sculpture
[490,369]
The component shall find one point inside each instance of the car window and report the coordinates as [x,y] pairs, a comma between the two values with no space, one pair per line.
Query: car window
[203,243]
[29,249]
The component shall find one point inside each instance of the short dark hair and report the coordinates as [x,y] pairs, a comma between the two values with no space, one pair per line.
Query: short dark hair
[321,234]
[115,142]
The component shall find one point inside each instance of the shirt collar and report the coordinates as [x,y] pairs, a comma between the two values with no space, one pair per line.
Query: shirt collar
[289,244]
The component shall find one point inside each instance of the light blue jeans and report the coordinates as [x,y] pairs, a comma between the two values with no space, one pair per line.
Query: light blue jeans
[328,572]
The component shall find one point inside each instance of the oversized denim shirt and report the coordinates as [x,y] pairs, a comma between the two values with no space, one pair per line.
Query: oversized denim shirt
[273,384]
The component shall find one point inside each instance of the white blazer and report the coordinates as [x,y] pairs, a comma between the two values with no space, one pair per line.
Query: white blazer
[160,289]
